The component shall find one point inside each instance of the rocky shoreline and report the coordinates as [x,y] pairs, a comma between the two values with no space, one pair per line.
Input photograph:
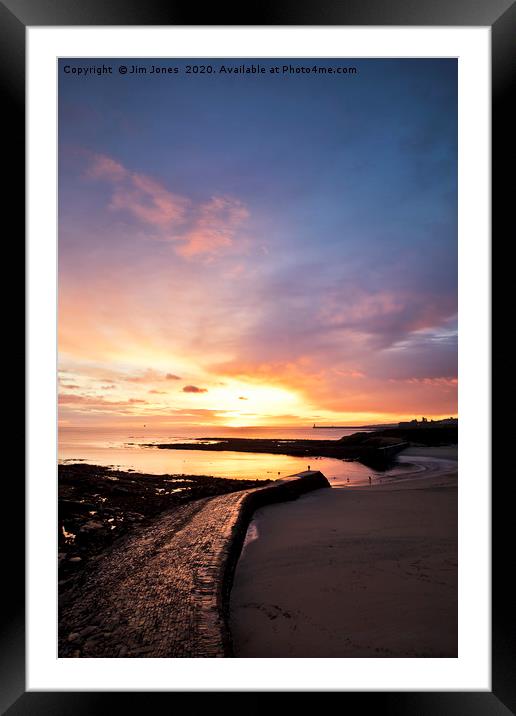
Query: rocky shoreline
[98,505]
[162,590]
[377,449]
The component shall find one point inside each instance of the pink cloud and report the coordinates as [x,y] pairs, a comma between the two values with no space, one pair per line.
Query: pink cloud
[103,167]
[97,403]
[351,373]
[150,202]
[440,382]
[208,228]
[215,227]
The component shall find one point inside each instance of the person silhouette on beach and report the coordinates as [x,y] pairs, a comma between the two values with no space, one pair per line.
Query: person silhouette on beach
[370,479]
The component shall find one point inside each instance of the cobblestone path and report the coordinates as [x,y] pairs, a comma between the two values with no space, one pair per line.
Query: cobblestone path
[158,593]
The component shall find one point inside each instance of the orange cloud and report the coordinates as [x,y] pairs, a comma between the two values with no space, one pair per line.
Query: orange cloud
[338,390]
[194,389]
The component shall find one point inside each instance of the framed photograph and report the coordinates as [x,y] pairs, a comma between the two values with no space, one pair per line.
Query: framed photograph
[258,368]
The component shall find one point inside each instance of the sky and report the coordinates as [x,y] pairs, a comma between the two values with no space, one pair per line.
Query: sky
[268,249]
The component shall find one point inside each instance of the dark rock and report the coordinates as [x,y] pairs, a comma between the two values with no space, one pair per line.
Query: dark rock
[92,525]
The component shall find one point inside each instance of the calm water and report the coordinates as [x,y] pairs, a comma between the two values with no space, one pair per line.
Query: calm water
[122,449]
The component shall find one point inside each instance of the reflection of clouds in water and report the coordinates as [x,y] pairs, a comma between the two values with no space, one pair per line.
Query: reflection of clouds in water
[114,449]
[219,464]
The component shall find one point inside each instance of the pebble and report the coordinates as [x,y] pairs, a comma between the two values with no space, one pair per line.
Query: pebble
[91,525]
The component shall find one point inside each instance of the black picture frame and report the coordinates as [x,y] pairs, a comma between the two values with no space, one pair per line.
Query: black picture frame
[500,16]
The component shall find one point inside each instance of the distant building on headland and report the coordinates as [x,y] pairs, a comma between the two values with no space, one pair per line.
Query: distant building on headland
[424,423]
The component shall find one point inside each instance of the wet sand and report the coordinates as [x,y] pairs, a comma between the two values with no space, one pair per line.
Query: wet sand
[354,572]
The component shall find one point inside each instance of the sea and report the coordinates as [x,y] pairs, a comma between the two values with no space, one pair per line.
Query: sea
[127,449]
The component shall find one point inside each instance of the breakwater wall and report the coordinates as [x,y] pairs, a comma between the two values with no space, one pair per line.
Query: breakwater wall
[163,591]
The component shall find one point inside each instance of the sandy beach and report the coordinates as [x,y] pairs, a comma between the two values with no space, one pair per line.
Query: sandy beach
[354,572]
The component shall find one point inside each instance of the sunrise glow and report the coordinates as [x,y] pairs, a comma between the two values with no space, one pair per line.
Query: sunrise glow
[223,262]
